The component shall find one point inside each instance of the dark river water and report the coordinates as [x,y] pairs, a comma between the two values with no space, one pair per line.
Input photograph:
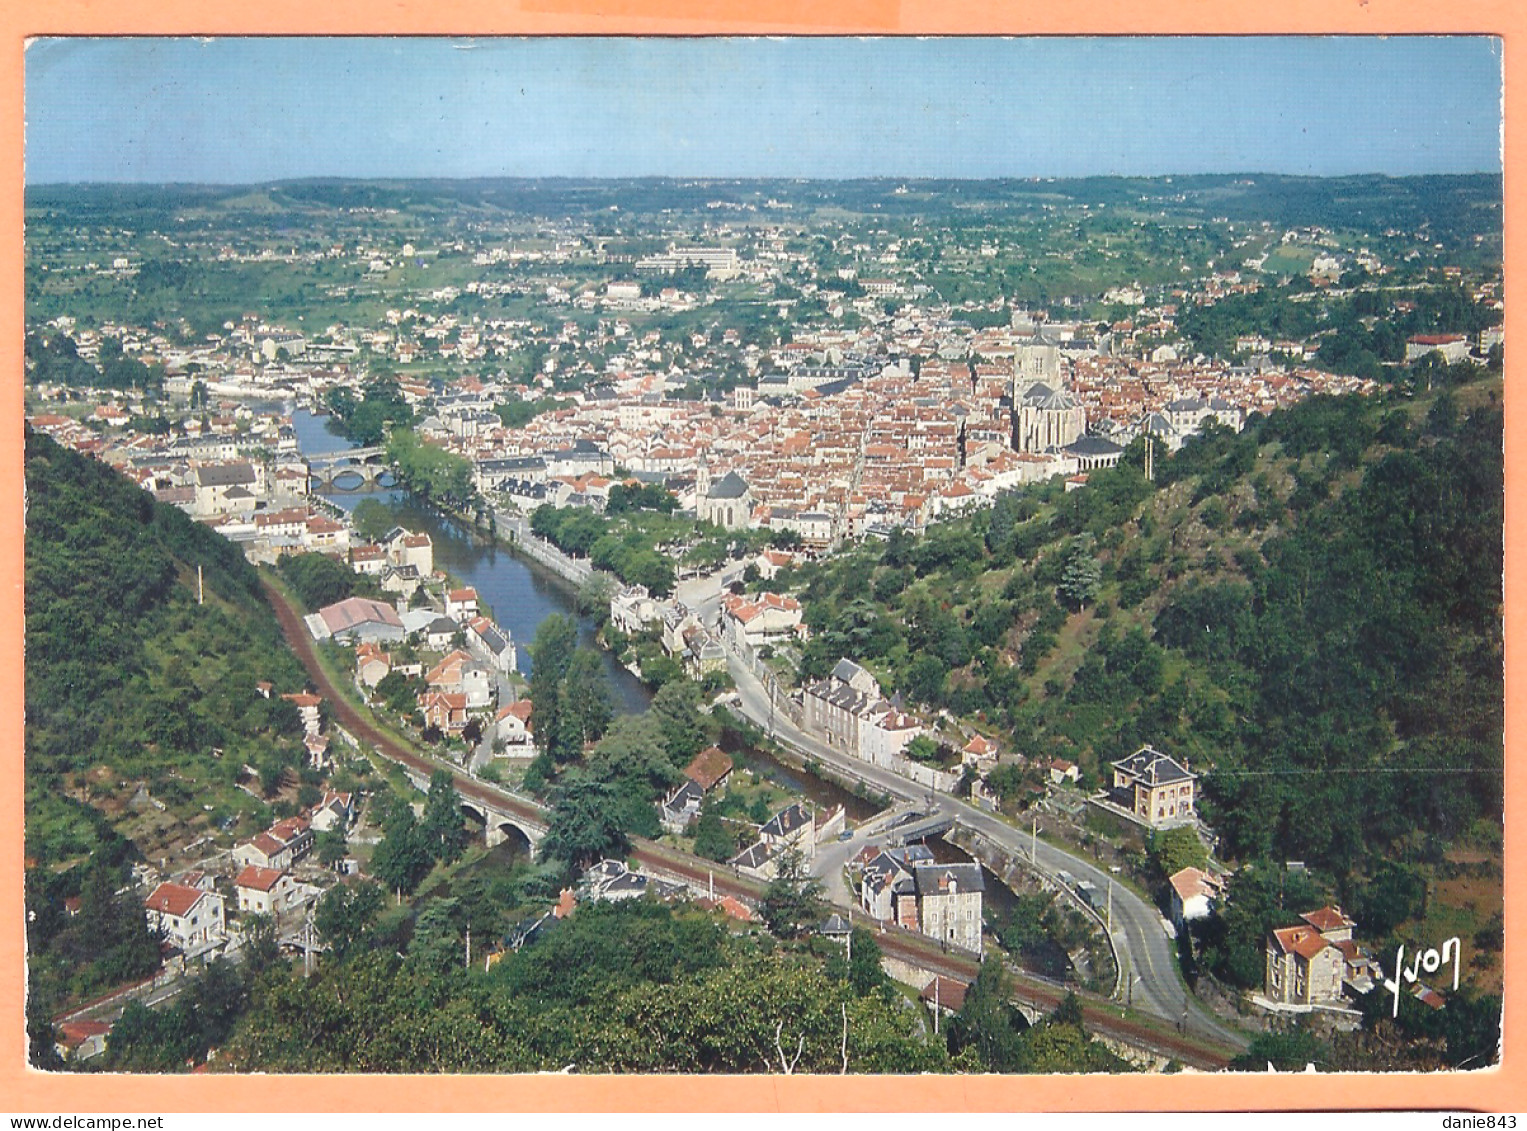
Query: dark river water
[522,595]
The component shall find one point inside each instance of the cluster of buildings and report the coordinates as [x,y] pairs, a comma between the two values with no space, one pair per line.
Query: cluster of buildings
[707,771]
[795,828]
[260,876]
[1316,962]
[849,712]
[475,658]
[908,888]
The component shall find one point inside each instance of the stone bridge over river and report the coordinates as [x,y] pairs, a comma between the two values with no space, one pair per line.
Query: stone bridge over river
[356,466]
[501,819]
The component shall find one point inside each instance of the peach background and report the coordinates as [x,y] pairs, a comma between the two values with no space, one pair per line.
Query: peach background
[22,1090]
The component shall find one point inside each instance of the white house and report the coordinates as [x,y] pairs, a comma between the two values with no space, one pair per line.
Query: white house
[190,918]
[514,730]
[1195,894]
[461,604]
[264,891]
[756,623]
[491,644]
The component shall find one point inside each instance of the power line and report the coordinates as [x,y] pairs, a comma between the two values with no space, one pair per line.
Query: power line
[1354,770]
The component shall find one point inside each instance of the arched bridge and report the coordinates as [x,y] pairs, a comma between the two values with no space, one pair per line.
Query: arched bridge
[501,817]
[368,463]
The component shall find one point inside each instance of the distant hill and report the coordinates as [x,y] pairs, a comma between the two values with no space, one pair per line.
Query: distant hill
[1448,205]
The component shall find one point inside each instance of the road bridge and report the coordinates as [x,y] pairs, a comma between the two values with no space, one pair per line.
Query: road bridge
[365,464]
[917,830]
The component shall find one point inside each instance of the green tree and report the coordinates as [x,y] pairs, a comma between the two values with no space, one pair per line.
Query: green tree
[792,902]
[372,520]
[1082,577]
[676,706]
[318,579]
[865,972]
[586,697]
[441,826]
[1288,1051]
[584,826]
[1396,893]
[345,915]
[988,1023]
[923,749]
[1176,849]
[712,840]
[437,946]
[550,654]
[262,944]
[404,856]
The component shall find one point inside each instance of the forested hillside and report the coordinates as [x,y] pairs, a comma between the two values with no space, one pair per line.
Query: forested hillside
[1309,612]
[141,706]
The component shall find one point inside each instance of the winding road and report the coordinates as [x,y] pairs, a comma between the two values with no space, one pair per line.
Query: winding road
[1202,1048]
[1150,977]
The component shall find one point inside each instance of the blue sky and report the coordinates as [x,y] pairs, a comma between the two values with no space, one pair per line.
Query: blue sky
[247,110]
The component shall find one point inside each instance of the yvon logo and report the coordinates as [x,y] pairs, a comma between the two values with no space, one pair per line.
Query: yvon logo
[1429,961]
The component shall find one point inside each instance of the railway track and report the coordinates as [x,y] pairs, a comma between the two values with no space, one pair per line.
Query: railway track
[1101,1017]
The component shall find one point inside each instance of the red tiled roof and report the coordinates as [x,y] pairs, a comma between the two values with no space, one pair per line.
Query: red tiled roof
[354,611]
[950,993]
[709,767]
[1303,941]
[173,899]
[74,1033]
[520,709]
[1191,882]
[258,878]
[289,829]
[1327,919]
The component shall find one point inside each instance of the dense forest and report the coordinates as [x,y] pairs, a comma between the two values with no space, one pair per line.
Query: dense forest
[135,695]
[633,987]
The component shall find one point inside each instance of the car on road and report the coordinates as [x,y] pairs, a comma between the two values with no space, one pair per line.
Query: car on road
[846,834]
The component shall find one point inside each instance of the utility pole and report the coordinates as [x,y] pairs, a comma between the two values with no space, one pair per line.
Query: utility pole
[469,946]
[1034,843]
[1110,905]
[307,944]
[200,594]
[935,1005]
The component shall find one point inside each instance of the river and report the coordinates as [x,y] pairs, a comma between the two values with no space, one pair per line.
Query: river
[522,595]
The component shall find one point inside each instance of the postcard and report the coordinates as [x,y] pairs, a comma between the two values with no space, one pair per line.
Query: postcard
[942,567]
